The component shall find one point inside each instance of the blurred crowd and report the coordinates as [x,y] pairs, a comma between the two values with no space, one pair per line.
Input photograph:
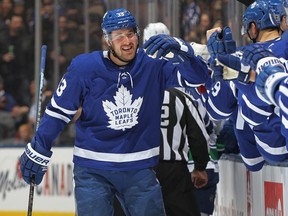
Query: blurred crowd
[17,26]
[199,16]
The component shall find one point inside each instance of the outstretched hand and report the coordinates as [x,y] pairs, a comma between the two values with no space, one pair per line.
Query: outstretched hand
[221,42]
[161,45]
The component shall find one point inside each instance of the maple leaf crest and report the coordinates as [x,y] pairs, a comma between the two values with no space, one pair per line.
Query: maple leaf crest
[123,113]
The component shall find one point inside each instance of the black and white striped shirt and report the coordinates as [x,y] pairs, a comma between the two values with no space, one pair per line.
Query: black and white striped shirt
[181,123]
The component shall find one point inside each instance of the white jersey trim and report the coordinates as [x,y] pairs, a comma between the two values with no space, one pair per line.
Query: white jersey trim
[55,105]
[57,115]
[271,150]
[252,161]
[116,157]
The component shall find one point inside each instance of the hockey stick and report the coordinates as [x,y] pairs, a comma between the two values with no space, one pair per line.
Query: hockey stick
[38,115]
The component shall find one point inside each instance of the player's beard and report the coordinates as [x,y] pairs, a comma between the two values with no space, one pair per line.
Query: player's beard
[122,57]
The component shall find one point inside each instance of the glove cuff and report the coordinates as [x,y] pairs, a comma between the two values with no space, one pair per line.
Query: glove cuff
[264,62]
[37,157]
[272,83]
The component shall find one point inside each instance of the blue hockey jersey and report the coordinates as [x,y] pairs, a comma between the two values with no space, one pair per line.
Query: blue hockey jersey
[119,126]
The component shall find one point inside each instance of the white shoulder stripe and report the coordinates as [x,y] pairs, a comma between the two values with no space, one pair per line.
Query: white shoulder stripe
[57,115]
[66,111]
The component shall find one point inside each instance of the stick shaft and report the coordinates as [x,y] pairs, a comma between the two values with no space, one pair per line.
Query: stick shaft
[38,115]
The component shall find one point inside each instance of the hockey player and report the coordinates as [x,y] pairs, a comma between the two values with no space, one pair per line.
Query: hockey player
[272,83]
[261,24]
[118,132]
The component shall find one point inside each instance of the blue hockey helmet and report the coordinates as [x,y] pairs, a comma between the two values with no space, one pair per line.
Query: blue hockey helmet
[262,15]
[278,7]
[118,19]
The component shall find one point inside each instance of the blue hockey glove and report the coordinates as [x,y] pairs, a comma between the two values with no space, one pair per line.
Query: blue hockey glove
[234,61]
[267,82]
[252,55]
[162,45]
[34,162]
[221,42]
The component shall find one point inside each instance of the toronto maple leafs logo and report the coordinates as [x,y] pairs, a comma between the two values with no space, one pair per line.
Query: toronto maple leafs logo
[123,113]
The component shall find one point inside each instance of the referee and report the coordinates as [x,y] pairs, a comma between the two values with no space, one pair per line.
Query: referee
[182,130]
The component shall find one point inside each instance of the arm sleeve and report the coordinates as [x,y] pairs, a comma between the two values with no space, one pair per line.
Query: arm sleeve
[221,101]
[197,136]
[61,109]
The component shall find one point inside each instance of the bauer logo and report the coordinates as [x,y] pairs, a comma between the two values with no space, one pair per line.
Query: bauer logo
[36,157]
[273,199]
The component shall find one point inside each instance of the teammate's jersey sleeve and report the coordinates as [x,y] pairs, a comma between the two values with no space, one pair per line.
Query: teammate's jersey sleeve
[281,97]
[221,101]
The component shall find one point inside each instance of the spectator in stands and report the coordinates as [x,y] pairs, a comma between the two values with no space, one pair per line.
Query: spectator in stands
[69,47]
[10,113]
[7,103]
[204,25]
[191,16]
[16,60]
[6,10]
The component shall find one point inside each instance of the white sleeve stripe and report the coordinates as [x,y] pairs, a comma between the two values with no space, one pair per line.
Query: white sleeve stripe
[193,85]
[248,120]
[262,97]
[282,106]
[179,78]
[285,122]
[271,150]
[255,108]
[57,115]
[216,110]
[66,111]
[252,161]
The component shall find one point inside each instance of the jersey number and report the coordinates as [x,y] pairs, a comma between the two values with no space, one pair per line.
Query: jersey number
[61,87]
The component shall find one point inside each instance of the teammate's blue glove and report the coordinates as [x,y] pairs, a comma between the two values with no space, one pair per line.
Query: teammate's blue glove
[221,42]
[252,54]
[34,162]
[161,45]
[234,61]
[267,82]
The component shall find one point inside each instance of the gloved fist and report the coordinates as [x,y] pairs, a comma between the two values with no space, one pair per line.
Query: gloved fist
[221,42]
[34,162]
[161,45]
[269,79]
